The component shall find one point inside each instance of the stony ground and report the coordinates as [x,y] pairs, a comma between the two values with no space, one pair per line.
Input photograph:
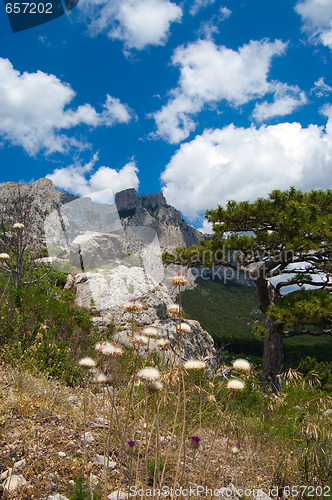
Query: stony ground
[42,447]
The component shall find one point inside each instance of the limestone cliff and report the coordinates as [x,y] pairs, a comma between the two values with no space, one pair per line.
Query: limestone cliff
[153,211]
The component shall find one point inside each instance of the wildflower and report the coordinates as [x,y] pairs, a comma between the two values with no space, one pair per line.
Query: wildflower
[18,225]
[131,443]
[173,308]
[194,442]
[178,280]
[112,349]
[185,328]
[134,305]
[236,449]
[194,364]
[235,385]
[100,345]
[140,339]
[88,362]
[163,342]
[4,256]
[149,373]
[151,332]
[101,378]
[241,365]
[155,386]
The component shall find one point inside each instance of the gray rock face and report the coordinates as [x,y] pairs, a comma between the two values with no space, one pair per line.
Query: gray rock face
[153,211]
[31,203]
[105,293]
[96,249]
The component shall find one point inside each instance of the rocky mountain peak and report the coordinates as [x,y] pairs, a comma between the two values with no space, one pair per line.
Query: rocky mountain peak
[152,211]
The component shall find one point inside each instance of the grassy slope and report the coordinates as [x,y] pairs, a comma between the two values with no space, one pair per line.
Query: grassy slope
[228,311]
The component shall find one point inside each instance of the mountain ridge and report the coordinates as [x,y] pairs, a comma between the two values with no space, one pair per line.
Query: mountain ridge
[42,198]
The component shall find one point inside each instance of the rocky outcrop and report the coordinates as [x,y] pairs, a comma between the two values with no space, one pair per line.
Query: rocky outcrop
[35,202]
[154,212]
[31,204]
[105,293]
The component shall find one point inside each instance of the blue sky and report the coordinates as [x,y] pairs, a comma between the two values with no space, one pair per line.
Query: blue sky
[206,100]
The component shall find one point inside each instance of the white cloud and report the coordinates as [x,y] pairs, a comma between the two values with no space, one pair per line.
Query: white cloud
[101,185]
[198,5]
[287,98]
[32,111]
[137,23]
[321,88]
[224,13]
[243,164]
[211,73]
[206,227]
[317,19]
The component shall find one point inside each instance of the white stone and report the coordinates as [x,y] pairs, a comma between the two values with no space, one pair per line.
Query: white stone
[88,437]
[328,412]
[117,495]
[101,460]
[72,399]
[57,496]
[14,482]
[20,464]
[61,454]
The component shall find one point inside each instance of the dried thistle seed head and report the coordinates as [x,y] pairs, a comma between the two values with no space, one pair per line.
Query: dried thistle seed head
[194,364]
[241,365]
[112,349]
[151,332]
[149,374]
[87,362]
[235,385]
[4,257]
[134,305]
[101,378]
[18,225]
[179,280]
[155,386]
[185,328]
[236,449]
[163,343]
[140,339]
[173,309]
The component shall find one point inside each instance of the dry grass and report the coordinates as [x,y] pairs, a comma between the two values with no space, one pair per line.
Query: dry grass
[37,422]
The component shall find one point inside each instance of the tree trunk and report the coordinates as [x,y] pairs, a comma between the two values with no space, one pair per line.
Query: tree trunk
[272,356]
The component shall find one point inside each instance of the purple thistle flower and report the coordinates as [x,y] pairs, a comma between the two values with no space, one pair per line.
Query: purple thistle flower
[131,443]
[195,439]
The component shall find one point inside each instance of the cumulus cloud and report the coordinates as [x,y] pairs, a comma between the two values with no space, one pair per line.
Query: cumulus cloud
[137,23]
[100,185]
[32,111]
[317,19]
[211,73]
[287,98]
[245,163]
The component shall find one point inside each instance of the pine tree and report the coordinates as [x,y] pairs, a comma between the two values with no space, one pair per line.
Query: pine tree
[284,243]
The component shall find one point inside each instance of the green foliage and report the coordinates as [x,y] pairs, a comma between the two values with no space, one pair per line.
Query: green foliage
[303,307]
[80,491]
[300,222]
[314,370]
[227,311]
[152,466]
[42,329]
